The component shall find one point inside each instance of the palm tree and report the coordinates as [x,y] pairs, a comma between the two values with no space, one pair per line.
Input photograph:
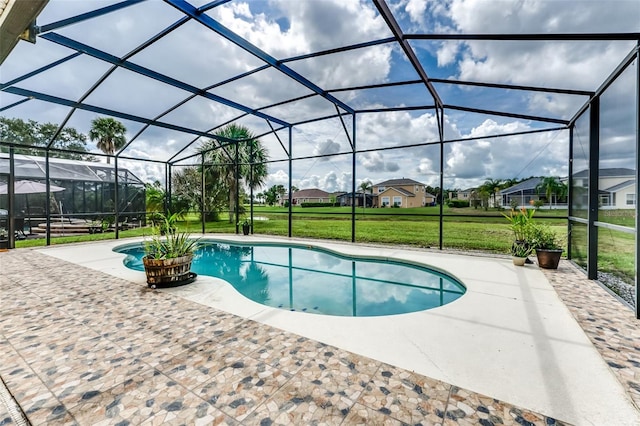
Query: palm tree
[365,187]
[550,186]
[109,134]
[492,186]
[508,183]
[249,163]
[155,196]
[281,192]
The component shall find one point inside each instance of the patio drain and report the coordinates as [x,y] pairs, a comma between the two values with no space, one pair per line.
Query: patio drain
[15,412]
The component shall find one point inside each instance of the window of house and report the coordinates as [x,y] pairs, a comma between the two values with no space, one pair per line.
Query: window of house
[631,199]
[381,189]
[397,201]
[385,201]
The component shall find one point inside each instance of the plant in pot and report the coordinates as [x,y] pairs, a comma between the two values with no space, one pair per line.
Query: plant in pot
[167,260]
[520,222]
[548,245]
[520,250]
[246,226]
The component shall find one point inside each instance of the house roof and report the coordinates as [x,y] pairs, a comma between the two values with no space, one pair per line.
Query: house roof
[399,182]
[311,193]
[400,190]
[32,167]
[622,185]
[358,194]
[527,185]
[612,172]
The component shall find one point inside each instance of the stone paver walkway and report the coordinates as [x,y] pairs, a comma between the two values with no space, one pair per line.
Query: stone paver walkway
[612,328]
[78,346]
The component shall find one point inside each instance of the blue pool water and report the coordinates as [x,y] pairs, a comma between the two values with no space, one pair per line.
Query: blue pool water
[318,281]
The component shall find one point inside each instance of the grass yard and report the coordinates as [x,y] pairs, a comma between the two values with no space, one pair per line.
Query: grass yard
[463,229]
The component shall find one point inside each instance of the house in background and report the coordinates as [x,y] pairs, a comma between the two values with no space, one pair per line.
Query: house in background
[405,193]
[463,194]
[469,194]
[616,188]
[344,199]
[524,193]
[313,195]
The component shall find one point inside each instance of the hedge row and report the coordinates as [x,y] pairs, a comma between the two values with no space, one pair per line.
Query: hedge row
[458,203]
[320,205]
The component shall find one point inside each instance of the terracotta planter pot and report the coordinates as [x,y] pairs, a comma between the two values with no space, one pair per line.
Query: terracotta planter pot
[168,272]
[548,259]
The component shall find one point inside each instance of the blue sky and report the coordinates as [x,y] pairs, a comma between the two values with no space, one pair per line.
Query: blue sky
[289,28]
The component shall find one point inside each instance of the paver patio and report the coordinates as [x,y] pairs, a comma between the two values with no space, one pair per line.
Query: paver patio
[81,346]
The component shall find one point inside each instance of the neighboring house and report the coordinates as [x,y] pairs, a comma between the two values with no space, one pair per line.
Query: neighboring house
[313,195]
[616,187]
[405,193]
[345,199]
[463,194]
[524,193]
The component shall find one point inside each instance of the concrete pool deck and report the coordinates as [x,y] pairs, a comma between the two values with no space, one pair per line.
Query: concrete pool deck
[510,337]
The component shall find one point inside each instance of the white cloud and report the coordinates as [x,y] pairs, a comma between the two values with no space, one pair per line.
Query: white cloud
[372,161]
[416,9]
[325,148]
[569,65]
[289,28]
[279,177]
[447,53]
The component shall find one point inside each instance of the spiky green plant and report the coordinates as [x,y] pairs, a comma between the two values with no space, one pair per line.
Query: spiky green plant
[173,244]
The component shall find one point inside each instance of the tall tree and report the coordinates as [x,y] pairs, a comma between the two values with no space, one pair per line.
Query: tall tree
[33,137]
[365,186]
[271,195]
[281,192]
[508,183]
[109,134]
[550,186]
[155,196]
[246,159]
[491,186]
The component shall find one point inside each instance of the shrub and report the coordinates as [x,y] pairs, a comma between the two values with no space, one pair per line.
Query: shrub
[458,203]
[543,237]
[320,205]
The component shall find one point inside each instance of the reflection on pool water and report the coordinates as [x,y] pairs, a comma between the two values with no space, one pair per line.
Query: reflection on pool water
[317,281]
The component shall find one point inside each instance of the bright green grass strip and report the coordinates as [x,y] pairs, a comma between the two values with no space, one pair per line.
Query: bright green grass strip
[489,232]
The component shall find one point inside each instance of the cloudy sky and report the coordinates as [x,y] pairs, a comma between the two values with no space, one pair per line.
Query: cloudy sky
[194,55]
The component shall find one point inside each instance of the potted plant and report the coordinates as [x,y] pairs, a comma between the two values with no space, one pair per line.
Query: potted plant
[246,226]
[519,252]
[167,260]
[547,244]
[520,222]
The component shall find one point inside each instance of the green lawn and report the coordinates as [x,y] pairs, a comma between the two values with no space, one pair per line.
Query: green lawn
[463,229]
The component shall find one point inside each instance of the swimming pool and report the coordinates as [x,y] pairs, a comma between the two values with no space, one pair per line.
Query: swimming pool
[314,280]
